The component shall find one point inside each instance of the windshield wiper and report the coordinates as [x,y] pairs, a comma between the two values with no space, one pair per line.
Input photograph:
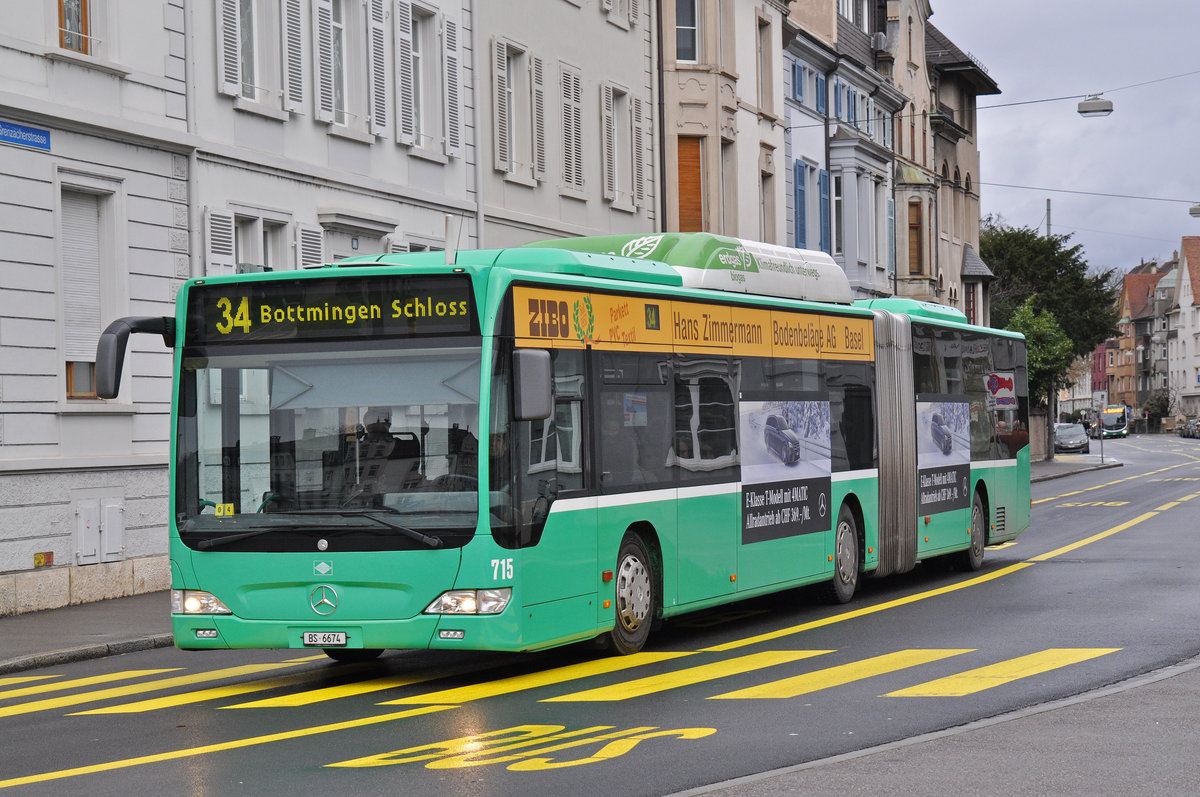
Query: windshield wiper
[369,514]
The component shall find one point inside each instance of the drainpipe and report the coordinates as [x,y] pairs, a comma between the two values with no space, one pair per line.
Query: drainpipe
[479,216]
[195,218]
[662,127]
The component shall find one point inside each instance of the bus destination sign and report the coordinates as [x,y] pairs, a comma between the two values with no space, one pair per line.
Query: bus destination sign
[331,309]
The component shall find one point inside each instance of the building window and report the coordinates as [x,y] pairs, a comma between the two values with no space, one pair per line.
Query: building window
[247,55]
[691,184]
[915,236]
[729,216]
[970,306]
[519,116]
[766,203]
[74,26]
[338,61]
[823,189]
[622,141]
[687,31]
[766,67]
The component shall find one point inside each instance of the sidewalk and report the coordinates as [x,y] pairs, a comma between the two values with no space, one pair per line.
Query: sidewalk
[1136,737]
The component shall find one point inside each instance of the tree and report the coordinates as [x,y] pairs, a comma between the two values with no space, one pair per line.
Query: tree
[1045,268]
[1048,350]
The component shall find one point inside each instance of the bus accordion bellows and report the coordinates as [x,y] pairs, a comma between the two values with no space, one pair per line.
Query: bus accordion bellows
[568,440]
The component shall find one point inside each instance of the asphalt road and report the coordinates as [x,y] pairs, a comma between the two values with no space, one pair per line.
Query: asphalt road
[1099,589]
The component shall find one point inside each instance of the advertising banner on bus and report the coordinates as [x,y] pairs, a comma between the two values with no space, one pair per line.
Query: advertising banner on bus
[786,466]
[943,453]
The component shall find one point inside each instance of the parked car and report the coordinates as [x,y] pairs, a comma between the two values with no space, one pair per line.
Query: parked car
[782,441]
[940,433]
[1070,438]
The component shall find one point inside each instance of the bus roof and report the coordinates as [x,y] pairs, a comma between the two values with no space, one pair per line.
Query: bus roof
[717,262]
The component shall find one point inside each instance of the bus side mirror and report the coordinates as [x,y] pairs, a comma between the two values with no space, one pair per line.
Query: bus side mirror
[110,349]
[533,398]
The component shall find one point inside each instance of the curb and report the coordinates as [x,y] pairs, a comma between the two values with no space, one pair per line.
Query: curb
[1072,472]
[84,653]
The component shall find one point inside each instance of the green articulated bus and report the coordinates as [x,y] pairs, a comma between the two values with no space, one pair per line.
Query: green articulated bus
[521,448]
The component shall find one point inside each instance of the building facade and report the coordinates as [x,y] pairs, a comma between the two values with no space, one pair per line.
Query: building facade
[143,144]
[1184,335]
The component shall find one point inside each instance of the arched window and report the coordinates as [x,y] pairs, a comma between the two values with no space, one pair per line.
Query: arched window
[957,177]
[968,184]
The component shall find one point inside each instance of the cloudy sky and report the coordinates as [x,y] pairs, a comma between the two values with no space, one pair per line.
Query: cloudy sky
[1148,147]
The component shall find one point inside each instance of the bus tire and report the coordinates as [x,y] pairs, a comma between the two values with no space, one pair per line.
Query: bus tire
[840,589]
[635,596]
[972,558]
[351,655]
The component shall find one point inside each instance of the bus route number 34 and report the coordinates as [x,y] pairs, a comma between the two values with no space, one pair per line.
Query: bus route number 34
[231,318]
[502,569]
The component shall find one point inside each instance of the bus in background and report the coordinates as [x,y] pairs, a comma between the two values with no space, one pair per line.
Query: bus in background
[529,447]
[1113,422]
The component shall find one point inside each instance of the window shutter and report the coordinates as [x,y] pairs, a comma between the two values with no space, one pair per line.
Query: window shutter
[219,252]
[80,275]
[229,49]
[821,93]
[376,68]
[323,59]
[609,141]
[635,12]
[572,116]
[639,153]
[293,56]
[451,89]
[406,114]
[801,210]
[310,245]
[500,109]
[538,81]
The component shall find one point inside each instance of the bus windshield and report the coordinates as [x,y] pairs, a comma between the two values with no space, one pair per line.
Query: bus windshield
[1113,419]
[331,447]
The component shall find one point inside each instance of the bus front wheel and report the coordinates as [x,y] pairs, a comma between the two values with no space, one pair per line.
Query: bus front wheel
[634,600]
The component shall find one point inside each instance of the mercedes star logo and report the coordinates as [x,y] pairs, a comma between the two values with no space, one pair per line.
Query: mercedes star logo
[324,599]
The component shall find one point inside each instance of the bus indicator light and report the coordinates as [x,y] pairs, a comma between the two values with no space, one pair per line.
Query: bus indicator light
[606,576]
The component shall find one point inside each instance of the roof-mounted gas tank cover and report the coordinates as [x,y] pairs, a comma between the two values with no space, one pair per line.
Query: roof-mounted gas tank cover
[716,262]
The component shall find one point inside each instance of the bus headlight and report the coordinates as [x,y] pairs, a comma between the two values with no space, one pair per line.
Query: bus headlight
[192,601]
[471,601]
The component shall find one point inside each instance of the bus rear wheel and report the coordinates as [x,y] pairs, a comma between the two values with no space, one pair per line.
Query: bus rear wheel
[972,558]
[635,597]
[845,560]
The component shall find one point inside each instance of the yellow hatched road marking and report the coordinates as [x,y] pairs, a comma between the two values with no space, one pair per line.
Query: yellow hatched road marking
[23,679]
[687,677]
[352,689]
[842,674]
[137,689]
[235,744]
[867,610]
[58,686]
[977,680]
[202,695]
[1165,507]
[533,680]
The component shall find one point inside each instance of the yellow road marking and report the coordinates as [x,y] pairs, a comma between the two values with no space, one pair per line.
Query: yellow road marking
[1165,507]
[234,744]
[92,680]
[201,695]
[842,674]
[1093,538]
[23,679]
[136,689]
[1109,484]
[520,683]
[867,610]
[687,677]
[977,680]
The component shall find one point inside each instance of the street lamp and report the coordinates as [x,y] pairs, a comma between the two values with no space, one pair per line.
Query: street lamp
[1194,210]
[1095,105]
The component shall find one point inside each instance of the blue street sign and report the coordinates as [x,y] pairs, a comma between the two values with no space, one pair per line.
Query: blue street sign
[12,133]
